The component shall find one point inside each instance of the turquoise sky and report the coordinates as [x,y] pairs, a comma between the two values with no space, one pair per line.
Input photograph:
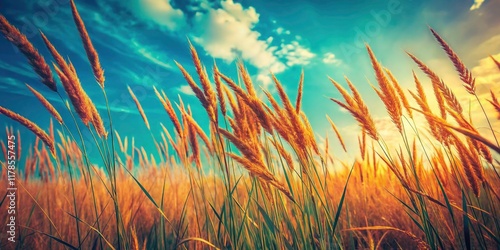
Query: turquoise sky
[138,41]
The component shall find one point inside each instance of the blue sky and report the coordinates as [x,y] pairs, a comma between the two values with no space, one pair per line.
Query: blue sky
[138,41]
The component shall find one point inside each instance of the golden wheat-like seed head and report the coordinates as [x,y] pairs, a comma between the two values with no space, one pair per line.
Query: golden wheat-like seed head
[46,104]
[208,90]
[387,93]
[197,91]
[463,71]
[470,174]
[78,97]
[92,55]
[357,107]
[139,107]
[246,80]
[218,88]
[337,133]
[299,92]
[97,122]
[195,148]
[167,105]
[69,79]
[474,159]
[299,128]
[197,129]
[400,92]
[34,58]
[32,127]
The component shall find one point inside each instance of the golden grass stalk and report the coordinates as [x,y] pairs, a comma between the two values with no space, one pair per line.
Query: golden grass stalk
[435,81]
[262,173]
[253,102]
[92,55]
[357,107]
[197,91]
[231,100]
[218,88]
[475,161]
[97,122]
[465,74]
[483,150]
[495,103]
[32,127]
[387,93]
[300,90]
[400,92]
[195,148]
[69,79]
[309,132]
[285,154]
[196,128]
[209,92]
[337,133]
[46,104]
[167,105]
[77,96]
[470,174]
[246,80]
[421,100]
[464,131]
[36,60]
[497,63]
[139,107]
[293,116]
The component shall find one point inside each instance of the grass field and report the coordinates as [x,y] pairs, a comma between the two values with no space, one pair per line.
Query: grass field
[257,179]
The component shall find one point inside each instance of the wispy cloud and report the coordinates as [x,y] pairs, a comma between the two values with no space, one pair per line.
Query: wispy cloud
[228,31]
[160,11]
[330,58]
[185,89]
[477,4]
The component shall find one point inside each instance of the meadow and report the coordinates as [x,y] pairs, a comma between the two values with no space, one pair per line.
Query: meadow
[257,178]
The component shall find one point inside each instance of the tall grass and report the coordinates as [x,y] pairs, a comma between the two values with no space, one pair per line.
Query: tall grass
[257,178]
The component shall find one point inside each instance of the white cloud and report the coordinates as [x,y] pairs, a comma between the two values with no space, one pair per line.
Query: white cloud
[186,90]
[477,4]
[295,54]
[330,58]
[281,31]
[487,72]
[161,12]
[228,33]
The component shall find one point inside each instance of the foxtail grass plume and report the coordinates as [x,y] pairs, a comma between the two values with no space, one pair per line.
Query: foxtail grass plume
[463,71]
[46,104]
[400,92]
[386,93]
[77,96]
[218,88]
[32,127]
[69,79]
[356,106]
[298,101]
[167,105]
[92,55]
[35,59]
[139,107]
[334,127]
